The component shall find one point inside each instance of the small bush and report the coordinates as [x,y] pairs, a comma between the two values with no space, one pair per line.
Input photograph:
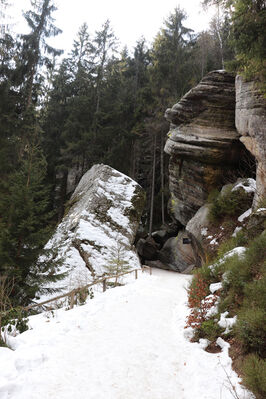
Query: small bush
[209,329]
[237,275]
[256,254]
[198,290]
[17,317]
[254,375]
[228,303]
[240,240]
[255,293]
[251,329]
[230,203]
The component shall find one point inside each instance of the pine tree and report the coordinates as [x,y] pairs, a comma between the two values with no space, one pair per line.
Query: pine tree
[170,55]
[35,52]
[25,226]
[24,197]
[117,264]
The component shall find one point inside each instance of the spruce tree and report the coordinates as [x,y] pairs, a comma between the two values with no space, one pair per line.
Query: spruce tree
[24,193]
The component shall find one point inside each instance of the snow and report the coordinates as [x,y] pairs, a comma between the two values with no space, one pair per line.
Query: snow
[226,322]
[214,242]
[204,231]
[126,343]
[118,217]
[240,251]
[249,186]
[244,215]
[237,229]
[98,224]
[215,287]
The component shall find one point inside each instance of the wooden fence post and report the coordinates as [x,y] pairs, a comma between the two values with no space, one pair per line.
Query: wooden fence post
[104,285]
[72,299]
[136,274]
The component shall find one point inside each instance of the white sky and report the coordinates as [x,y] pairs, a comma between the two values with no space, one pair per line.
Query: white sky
[130,19]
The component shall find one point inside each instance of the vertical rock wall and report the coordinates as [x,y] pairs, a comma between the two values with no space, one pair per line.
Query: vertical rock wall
[250,119]
[203,143]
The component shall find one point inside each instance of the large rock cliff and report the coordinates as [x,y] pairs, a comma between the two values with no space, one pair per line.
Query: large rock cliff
[203,143]
[100,225]
[217,134]
[251,125]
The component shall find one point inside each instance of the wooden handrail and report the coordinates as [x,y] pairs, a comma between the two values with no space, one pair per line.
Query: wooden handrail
[73,292]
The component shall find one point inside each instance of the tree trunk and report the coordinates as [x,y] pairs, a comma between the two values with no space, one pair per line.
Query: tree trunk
[162,176]
[153,184]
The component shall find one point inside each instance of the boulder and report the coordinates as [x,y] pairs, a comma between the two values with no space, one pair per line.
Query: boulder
[161,236]
[256,222]
[175,255]
[198,225]
[250,120]
[147,248]
[100,224]
[203,143]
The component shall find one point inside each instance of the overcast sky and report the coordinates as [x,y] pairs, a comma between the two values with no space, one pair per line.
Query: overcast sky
[130,19]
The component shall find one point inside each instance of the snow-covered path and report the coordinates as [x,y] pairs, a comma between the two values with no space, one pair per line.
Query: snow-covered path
[127,343]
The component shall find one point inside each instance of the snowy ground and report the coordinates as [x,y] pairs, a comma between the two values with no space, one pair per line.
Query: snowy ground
[128,343]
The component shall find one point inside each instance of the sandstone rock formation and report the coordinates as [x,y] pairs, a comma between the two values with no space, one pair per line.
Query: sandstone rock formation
[177,255]
[101,220]
[251,124]
[203,143]
[199,223]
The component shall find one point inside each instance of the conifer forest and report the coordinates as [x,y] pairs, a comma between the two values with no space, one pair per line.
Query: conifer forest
[62,113]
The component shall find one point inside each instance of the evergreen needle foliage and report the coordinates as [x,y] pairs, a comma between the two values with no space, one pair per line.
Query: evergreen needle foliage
[117,264]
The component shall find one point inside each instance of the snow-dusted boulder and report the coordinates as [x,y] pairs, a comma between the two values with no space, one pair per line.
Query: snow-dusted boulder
[100,224]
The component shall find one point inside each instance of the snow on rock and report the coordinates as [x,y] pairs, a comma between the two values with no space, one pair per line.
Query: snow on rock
[260,210]
[240,251]
[204,231]
[126,343]
[226,322]
[102,220]
[248,185]
[237,230]
[244,215]
[215,287]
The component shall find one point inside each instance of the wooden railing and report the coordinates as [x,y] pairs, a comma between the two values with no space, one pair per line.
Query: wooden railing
[75,291]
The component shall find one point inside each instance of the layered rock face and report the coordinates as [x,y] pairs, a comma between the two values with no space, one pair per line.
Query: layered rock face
[251,125]
[100,225]
[203,143]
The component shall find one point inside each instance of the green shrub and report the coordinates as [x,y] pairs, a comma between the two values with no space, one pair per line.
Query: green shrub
[240,240]
[237,274]
[16,317]
[255,293]
[242,270]
[227,303]
[256,254]
[251,329]
[209,329]
[254,375]
[230,203]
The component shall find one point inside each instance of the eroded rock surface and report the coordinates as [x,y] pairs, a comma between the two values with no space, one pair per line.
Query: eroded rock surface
[203,143]
[101,222]
[251,124]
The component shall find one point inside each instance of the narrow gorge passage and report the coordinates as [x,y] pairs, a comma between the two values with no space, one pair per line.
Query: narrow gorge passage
[127,343]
